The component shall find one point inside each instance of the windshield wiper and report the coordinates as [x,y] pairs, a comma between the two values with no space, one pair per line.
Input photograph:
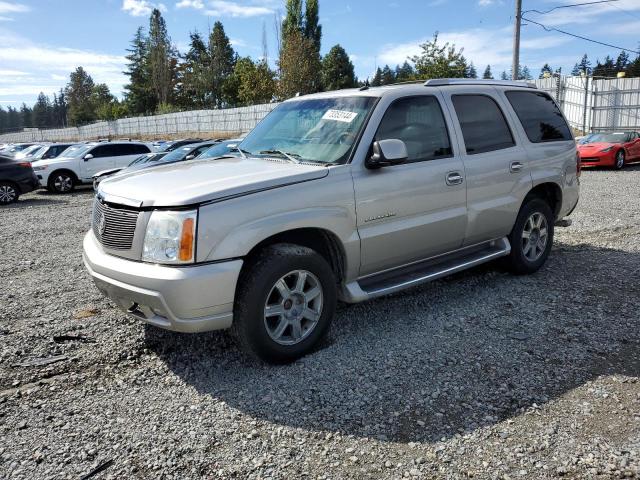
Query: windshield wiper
[244,153]
[287,155]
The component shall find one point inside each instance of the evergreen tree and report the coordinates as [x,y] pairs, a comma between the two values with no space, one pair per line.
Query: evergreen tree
[504,76]
[404,72]
[471,71]
[337,70]
[377,78]
[440,61]
[582,67]
[606,69]
[139,93]
[546,71]
[487,75]
[633,69]
[312,27]
[387,77]
[42,112]
[194,89]
[14,119]
[622,62]
[161,60]
[222,60]
[79,92]
[26,116]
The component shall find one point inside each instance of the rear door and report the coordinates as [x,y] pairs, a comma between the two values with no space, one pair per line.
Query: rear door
[415,210]
[125,153]
[496,166]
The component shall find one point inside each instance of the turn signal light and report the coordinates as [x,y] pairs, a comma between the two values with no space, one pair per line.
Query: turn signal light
[186,240]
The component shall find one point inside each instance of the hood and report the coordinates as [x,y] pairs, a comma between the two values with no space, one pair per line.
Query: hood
[193,182]
[597,146]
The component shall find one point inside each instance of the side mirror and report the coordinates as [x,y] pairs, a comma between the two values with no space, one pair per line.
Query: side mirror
[190,157]
[387,153]
[88,157]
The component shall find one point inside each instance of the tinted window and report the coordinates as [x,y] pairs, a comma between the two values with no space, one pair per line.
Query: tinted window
[129,149]
[420,124]
[484,127]
[103,151]
[540,116]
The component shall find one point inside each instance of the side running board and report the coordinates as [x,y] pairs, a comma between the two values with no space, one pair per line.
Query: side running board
[428,270]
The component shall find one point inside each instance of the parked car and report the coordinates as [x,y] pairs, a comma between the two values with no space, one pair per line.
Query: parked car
[610,149]
[175,144]
[29,152]
[344,195]
[224,147]
[143,161]
[16,178]
[14,149]
[51,150]
[80,163]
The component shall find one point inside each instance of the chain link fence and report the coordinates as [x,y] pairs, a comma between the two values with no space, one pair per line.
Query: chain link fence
[589,105]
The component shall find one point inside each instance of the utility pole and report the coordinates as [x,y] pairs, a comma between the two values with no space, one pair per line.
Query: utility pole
[515,66]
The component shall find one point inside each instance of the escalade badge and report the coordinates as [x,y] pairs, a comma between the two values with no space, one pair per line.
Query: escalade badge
[380,217]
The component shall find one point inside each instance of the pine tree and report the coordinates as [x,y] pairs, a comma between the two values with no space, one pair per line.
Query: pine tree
[388,77]
[139,94]
[26,116]
[582,67]
[622,62]
[487,75]
[161,59]
[546,71]
[337,70]
[633,69]
[79,92]
[41,112]
[194,89]
[504,76]
[222,58]
[471,71]
[377,78]
[606,69]
[312,28]
[404,72]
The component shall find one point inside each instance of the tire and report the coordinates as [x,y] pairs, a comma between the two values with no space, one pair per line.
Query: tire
[9,193]
[61,181]
[300,317]
[619,160]
[528,249]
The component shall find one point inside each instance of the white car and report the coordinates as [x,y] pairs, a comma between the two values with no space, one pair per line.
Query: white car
[80,163]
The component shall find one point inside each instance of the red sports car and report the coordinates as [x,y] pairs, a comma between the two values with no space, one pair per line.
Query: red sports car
[609,149]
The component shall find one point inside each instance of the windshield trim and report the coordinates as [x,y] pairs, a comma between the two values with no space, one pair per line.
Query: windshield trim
[360,134]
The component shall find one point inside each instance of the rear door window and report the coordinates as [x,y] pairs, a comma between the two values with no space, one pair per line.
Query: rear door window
[540,116]
[103,151]
[484,127]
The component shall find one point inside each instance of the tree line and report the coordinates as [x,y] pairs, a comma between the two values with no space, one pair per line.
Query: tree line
[211,74]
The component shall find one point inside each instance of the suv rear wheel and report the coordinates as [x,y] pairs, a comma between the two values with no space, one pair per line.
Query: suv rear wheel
[61,182]
[285,302]
[531,238]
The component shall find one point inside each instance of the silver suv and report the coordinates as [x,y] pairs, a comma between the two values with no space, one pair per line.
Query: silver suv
[345,195]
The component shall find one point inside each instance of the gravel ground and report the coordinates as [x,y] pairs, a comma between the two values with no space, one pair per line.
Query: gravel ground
[482,375]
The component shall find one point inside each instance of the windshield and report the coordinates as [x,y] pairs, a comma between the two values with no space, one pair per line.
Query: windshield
[608,138]
[178,154]
[318,130]
[223,148]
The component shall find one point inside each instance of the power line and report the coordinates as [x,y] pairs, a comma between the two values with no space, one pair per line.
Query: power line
[551,29]
[569,6]
[625,11]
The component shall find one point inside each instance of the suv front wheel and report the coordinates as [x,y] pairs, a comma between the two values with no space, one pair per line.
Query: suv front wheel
[285,302]
[531,238]
[61,182]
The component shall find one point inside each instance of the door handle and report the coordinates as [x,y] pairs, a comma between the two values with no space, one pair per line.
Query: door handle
[454,178]
[515,167]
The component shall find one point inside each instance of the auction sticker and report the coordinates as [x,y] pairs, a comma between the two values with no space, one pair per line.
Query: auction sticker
[340,116]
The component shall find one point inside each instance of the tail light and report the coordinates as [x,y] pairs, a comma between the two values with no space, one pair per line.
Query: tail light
[24,164]
[578,165]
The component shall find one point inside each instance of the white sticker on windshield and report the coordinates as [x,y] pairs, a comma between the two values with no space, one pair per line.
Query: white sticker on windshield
[340,116]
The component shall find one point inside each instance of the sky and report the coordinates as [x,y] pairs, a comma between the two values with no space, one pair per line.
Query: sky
[42,41]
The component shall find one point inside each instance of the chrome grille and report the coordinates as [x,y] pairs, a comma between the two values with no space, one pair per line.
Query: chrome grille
[119,226]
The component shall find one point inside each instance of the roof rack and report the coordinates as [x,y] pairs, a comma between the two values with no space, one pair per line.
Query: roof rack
[439,82]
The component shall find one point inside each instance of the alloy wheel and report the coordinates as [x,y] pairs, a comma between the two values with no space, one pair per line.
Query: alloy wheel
[7,194]
[63,183]
[620,159]
[535,236]
[293,307]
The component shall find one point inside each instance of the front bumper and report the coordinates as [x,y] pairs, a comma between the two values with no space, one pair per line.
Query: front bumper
[598,159]
[195,298]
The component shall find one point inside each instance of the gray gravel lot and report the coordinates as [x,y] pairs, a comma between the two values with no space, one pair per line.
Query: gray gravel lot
[482,375]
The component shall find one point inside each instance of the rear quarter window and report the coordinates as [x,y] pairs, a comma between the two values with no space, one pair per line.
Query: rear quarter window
[540,116]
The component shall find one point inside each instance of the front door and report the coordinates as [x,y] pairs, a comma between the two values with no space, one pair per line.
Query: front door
[102,160]
[415,210]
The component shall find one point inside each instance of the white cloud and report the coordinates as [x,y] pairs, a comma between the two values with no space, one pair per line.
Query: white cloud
[141,8]
[583,14]
[12,73]
[485,3]
[11,7]
[197,4]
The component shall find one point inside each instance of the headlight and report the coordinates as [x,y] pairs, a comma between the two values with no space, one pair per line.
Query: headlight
[39,168]
[170,237]
[605,150]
